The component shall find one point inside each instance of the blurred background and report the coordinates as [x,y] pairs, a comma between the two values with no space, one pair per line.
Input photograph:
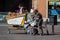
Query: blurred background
[7,5]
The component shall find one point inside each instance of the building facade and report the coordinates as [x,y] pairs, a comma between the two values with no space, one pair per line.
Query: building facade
[56,4]
[42,6]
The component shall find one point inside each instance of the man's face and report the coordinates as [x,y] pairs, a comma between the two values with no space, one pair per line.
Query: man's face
[26,11]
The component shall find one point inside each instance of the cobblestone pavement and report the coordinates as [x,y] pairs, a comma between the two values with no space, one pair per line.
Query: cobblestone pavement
[18,36]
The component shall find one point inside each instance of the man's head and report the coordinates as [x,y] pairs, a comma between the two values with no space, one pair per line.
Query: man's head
[20,5]
[35,11]
[25,10]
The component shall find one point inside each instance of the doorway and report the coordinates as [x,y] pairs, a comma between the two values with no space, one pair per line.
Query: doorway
[14,3]
[26,3]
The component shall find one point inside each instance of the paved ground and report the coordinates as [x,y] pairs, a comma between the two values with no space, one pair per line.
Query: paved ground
[18,36]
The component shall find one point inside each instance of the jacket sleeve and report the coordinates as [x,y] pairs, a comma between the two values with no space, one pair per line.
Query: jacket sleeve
[40,16]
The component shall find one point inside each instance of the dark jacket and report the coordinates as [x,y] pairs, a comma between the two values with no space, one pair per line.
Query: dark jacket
[39,20]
